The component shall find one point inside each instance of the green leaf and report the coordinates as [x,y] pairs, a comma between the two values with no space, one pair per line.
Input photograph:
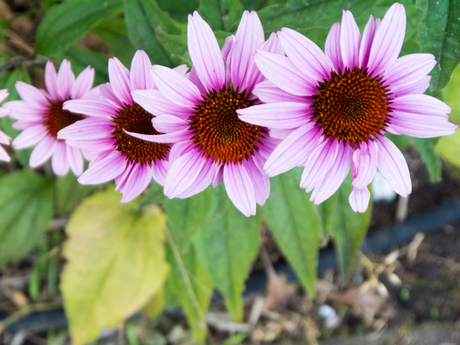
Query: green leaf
[311,18]
[226,244]
[81,58]
[67,22]
[185,216]
[427,149]
[296,225]
[221,14]
[192,286]
[114,34]
[26,208]
[348,228]
[115,263]
[178,9]
[452,96]
[439,34]
[69,192]
[175,46]
[143,17]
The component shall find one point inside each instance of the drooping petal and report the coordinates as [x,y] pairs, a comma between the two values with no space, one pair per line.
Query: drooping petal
[282,72]
[4,155]
[305,54]
[104,170]
[332,47]
[119,80]
[205,52]
[388,40]
[159,171]
[43,151]
[276,115]
[75,159]
[260,181]
[350,40]
[59,162]
[335,176]
[318,164]
[393,166]
[365,163]
[292,151]
[137,181]
[219,177]
[359,199]
[203,180]
[83,83]
[176,88]
[240,188]
[140,76]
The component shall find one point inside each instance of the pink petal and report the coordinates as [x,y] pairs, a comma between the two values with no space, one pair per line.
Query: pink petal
[65,80]
[276,115]
[4,139]
[75,159]
[205,52]
[169,124]
[178,89]
[119,80]
[4,155]
[240,188]
[421,104]
[305,54]
[409,68]
[365,163]
[366,42]
[335,176]
[359,199]
[3,94]
[155,103]
[332,47]
[104,170]
[273,45]
[219,177]
[178,149]
[22,110]
[393,166]
[268,92]
[30,136]
[4,112]
[350,40]
[90,107]
[421,126]
[282,72]
[51,81]
[388,40]
[318,163]
[83,83]
[249,38]
[138,180]
[24,124]
[203,180]
[293,151]
[87,130]
[169,138]
[159,171]
[260,181]
[183,173]
[43,151]
[193,77]
[32,95]
[140,76]
[181,69]
[109,96]
[59,161]
[419,86]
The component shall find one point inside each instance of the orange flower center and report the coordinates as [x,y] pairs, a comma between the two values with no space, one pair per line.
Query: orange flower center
[58,118]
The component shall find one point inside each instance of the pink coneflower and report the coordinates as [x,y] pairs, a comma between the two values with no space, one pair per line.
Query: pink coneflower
[198,115]
[130,161]
[41,117]
[4,139]
[342,102]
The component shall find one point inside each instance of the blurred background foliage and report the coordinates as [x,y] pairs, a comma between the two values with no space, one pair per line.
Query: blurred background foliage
[152,252]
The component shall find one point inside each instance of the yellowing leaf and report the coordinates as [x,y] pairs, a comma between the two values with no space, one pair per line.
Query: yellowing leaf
[116,263]
[449,148]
